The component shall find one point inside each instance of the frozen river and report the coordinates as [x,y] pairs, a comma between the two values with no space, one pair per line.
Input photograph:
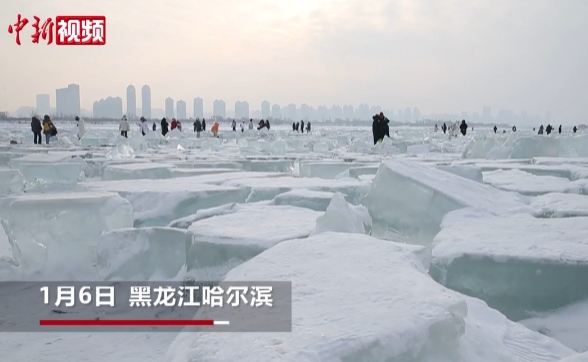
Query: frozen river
[424,248]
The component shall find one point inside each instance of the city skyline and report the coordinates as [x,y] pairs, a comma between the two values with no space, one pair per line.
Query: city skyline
[111,107]
[444,56]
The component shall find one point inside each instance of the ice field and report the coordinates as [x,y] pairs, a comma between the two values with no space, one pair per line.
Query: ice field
[424,248]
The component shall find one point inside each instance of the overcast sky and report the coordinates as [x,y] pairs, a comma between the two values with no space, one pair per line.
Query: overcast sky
[438,55]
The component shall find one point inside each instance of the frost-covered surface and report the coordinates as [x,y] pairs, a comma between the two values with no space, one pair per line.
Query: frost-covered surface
[582,357]
[438,326]
[413,197]
[518,264]
[11,182]
[267,188]
[559,205]
[314,200]
[342,159]
[256,226]
[404,316]
[529,184]
[568,325]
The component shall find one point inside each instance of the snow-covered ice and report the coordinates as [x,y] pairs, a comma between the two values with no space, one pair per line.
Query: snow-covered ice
[245,231]
[413,198]
[337,316]
[518,264]
[265,205]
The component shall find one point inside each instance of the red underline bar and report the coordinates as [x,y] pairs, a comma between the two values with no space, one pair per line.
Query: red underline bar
[130,322]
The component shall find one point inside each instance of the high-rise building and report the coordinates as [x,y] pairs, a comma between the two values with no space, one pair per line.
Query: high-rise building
[181,109]
[292,112]
[416,114]
[322,113]
[241,110]
[131,102]
[67,101]
[219,108]
[348,113]
[43,104]
[169,108]
[276,111]
[198,108]
[305,112]
[265,110]
[408,114]
[336,112]
[146,101]
[109,108]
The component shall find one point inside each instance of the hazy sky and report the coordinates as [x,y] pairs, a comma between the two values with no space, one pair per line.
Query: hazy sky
[438,55]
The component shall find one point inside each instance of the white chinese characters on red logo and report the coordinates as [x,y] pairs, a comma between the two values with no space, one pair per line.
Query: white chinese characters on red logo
[81,30]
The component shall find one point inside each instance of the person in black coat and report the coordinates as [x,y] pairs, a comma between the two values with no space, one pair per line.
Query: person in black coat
[164,127]
[463,127]
[380,127]
[37,128]
[203,125]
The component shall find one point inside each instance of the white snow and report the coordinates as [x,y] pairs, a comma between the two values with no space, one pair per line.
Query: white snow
[256,226]
[561,241]
[314,200]
[559,205]
[568,325]
[529,184]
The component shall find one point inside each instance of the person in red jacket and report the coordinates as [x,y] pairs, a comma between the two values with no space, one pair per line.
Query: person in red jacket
[174,124]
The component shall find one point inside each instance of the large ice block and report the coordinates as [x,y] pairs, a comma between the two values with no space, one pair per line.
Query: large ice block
[529,184]
[490,336]
[559,205]
[314,200]
[413,198]
[570,172]
[268,165]
[50,168]
[472,173]
[141,254]
[58,232]
[324,169]
[11,182]
[158,202]
[342,217]
[354,297]
[518,264]
[267,188]
[245,231]
[134,171]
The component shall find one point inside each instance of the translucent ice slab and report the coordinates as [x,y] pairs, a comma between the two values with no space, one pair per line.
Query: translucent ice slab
[59,232]
[134,171]
[141,254]
[413,198]
[517,264]
[338,313]
[246,231]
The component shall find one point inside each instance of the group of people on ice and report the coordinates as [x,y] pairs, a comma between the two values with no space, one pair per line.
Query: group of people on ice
[49,130]
[549,129]
[199,126]
[463,128]
[299,126]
